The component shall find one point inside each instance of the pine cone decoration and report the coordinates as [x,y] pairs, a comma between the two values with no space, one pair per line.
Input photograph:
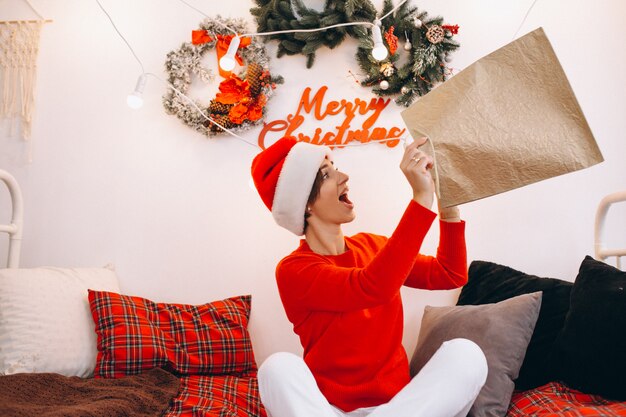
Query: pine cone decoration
[435,34]
[222,119]
[253,77]
[219,108]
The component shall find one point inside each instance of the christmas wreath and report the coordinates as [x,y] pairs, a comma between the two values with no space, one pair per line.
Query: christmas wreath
[242,98]
[427,47]
[428,42]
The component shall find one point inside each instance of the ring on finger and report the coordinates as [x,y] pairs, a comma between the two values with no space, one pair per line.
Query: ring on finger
[416,160]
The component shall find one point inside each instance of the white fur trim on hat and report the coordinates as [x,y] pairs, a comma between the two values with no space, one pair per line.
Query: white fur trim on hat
[294,184]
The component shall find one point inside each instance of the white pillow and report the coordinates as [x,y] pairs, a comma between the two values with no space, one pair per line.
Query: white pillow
[45,320]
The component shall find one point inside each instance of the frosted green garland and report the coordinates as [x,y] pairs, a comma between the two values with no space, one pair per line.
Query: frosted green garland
[181,63]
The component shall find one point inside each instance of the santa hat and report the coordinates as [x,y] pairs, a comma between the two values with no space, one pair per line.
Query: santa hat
[284,175]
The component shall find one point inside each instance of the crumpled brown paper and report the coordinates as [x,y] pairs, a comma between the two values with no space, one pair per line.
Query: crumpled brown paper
[508,120]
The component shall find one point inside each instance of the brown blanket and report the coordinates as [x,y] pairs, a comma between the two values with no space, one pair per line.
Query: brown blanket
[46,395]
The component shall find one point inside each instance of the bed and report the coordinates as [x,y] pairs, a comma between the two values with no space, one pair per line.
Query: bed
[126,355]
[72,345]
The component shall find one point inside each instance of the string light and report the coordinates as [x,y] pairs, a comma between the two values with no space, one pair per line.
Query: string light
[524,19]
[227,62]
[135,99]
[207,117]
[208,17]
[121,36]
[379,52]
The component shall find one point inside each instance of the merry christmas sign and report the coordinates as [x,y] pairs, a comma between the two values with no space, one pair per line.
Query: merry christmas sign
[344,121]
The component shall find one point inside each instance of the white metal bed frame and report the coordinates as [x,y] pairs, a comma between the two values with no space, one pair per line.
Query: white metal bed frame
[14,229]
[602,253]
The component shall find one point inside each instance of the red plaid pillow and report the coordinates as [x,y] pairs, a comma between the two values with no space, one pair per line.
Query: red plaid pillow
[135,334]
[222,395]
[556,399]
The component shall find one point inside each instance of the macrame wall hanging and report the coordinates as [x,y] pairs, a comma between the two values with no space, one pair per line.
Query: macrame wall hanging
[19,46]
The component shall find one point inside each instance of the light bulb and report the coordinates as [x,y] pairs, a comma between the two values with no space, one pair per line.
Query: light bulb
[135,99]
[227,62]
[379,52]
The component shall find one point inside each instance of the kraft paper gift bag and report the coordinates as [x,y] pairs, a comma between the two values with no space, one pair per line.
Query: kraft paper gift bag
[508,120]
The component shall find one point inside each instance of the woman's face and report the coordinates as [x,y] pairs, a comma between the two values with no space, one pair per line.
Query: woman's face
[333,205]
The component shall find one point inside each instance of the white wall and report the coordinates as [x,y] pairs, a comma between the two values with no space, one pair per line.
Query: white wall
[174,212]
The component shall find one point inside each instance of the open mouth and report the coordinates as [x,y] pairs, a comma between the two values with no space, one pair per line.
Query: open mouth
[345,200]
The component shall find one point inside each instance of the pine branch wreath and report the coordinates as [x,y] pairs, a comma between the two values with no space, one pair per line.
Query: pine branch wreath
[427,44]
[276,15]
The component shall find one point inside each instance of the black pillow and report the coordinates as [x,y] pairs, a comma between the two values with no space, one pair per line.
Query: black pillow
[592,346]
[491,283]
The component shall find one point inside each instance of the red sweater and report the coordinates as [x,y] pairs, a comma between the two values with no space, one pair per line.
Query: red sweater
[347,309]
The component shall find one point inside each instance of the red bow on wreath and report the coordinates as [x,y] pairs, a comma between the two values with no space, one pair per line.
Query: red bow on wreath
[198,37]
[454,29]
[392,41]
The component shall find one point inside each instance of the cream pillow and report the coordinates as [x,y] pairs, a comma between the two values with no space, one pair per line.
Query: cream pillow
[45,320]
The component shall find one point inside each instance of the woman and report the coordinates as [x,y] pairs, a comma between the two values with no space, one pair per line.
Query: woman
[342,295]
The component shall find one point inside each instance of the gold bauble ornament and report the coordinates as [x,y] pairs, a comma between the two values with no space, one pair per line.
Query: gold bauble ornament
[387,69]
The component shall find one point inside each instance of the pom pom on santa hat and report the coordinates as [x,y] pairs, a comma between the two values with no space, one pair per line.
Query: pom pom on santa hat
[284,174]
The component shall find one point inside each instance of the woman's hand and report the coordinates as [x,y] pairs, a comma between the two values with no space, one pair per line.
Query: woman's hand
[449,214]
[415,166]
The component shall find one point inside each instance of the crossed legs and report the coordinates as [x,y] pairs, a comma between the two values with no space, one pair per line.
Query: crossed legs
[446,387]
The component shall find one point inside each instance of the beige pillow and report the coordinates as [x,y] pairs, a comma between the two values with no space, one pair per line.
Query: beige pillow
[502,330]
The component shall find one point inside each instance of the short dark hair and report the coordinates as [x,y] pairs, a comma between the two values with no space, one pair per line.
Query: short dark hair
[315,193]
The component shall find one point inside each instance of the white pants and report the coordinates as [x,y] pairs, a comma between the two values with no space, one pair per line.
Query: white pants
[446,387]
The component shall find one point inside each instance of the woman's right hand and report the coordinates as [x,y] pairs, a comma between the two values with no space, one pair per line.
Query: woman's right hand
[415,166]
